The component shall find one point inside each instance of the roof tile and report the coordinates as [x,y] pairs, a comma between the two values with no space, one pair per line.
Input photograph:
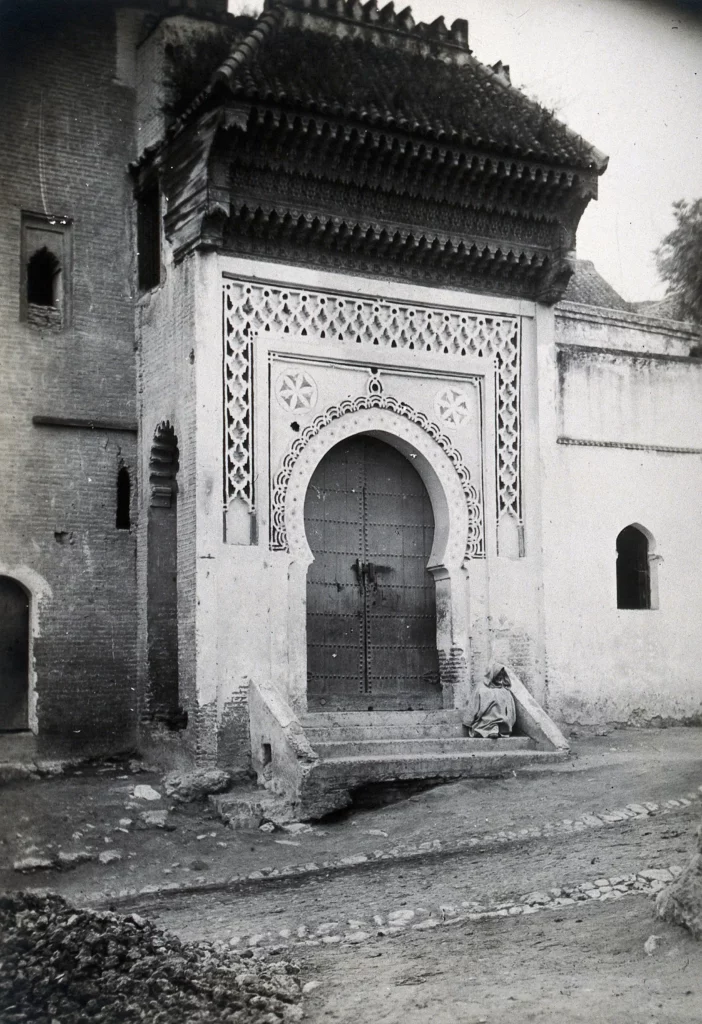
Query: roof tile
[384,85]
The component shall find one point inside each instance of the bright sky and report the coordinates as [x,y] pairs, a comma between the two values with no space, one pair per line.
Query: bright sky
[626,74]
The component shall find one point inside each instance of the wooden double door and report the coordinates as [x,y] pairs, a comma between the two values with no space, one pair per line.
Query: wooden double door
[371,603]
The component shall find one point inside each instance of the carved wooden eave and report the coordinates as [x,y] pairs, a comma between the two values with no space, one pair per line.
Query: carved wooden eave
[383,195]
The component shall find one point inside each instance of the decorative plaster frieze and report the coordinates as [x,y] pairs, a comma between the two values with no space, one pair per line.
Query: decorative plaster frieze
[253,309]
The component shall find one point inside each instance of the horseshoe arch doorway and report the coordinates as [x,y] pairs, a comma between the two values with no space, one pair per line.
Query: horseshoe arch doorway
[371,602]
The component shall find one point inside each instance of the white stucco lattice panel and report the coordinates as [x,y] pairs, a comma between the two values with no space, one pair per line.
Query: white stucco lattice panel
[238,405]
[253,309]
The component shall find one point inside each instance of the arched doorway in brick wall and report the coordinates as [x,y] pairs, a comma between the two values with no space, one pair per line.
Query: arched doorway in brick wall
[14,656]
[163,703]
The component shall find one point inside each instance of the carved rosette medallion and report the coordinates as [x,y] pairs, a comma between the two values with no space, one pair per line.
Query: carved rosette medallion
[452,406]
[296,391]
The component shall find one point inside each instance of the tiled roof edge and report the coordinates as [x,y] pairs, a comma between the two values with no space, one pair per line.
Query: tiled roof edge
[274,16]
[242,52]
[496,72]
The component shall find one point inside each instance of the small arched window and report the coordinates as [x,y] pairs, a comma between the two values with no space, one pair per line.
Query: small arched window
[124,489]
[633,569]
[43,278]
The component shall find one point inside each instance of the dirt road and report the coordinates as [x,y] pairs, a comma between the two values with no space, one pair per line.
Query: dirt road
[583,961]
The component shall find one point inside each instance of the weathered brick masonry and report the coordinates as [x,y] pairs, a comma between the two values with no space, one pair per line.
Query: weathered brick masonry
[68,138]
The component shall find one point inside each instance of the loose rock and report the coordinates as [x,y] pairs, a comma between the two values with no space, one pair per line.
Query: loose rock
[185,787]
[62,966]
[146,793]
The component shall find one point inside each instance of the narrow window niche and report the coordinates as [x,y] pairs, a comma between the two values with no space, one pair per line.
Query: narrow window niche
[637,583]
[45,279]
[149,237]
[123,519]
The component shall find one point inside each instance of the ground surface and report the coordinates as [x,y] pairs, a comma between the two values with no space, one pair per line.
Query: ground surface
[574,945]
[587,965]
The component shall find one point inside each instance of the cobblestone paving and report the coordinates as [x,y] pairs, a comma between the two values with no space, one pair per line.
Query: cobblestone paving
[419,918]
[436,847]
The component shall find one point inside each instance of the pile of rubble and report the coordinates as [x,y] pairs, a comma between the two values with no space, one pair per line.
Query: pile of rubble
[64,966]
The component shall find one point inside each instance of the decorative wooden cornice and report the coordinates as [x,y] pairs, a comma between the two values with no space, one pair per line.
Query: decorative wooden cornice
[265,171]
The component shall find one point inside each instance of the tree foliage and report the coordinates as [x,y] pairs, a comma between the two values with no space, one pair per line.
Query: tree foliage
[679,257]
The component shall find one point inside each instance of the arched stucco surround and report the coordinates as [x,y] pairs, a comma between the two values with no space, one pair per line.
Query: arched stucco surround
[37,590]
[446,562]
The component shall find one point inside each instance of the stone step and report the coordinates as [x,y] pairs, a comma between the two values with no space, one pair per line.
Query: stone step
[342,726]
[425,746]
[329,783]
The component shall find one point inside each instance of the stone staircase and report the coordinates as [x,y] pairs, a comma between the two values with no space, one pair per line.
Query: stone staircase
[358,749]
[314,761]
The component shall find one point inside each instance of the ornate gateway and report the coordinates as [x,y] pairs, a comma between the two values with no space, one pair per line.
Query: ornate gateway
[253,311]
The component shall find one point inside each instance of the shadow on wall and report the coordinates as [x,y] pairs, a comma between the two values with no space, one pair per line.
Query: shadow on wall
[162,704]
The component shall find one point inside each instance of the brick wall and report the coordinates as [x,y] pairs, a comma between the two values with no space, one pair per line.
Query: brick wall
[68,136]
[166,386]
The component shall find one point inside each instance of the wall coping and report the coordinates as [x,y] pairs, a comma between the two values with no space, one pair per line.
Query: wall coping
[632,321]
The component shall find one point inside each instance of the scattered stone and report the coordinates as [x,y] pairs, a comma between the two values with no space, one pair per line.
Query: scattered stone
[109,856]
[186,787]
[146,793]
[295,827]
[11,772]
[199,865]
[68,860]
[651,944]
[431,922]
[155,819]
[310,987]
[536,899]
[656,875]
[400,917]
[34,864]
[327,928]
[267,826]
[356,937]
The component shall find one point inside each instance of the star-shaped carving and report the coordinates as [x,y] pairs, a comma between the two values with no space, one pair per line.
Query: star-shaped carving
[297,390]
[452,406]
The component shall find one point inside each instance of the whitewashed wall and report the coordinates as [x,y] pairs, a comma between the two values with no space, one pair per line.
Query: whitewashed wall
[622,387]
